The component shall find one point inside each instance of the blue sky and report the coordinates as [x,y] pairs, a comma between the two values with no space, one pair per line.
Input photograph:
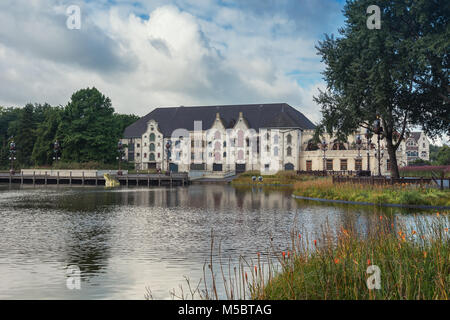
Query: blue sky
[145,54]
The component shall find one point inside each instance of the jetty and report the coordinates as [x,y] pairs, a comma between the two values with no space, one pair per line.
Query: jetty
[93,178]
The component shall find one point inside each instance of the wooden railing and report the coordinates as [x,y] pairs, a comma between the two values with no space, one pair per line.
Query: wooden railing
[323,173]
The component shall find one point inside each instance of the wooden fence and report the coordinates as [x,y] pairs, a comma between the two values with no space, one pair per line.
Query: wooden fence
[323,173]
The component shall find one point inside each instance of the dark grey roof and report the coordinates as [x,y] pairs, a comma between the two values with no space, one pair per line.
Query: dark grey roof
[415,135]
[275,115]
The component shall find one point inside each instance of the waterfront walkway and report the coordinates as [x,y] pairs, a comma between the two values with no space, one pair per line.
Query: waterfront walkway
[174,179]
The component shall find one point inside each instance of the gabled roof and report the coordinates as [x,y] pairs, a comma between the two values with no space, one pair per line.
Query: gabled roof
[415,135]
[275,115]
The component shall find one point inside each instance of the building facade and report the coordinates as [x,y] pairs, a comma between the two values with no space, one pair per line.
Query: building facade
[417,147]
[221,140]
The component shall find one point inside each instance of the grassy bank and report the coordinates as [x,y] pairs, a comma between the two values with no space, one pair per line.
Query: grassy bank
[397,194]
[413,264]
[280,178]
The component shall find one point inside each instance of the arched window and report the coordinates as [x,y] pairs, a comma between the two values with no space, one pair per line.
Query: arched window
[152,137]
[338,145]
[217,145]
[152,147]
[217,135]
[311,146]
[275,139]
[240,138]
[217,157]
[275,151]
[224,154]
[152,157]
[289,138]
[289,151]
[240,155]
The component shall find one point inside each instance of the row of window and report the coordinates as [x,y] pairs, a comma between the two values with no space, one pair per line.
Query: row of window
[329,164]
[343,165]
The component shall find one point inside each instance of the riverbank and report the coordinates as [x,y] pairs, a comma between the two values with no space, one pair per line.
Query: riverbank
[412,263]
[324,188]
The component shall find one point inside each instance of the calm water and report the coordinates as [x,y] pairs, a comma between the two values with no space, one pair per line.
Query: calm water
[126,239]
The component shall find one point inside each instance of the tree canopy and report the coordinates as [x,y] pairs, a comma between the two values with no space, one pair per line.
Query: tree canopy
[398,73]
[87,129]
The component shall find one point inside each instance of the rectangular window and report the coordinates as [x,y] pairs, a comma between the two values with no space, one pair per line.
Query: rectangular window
[308,165]
[330,164]
[358,164]
[388,165]
[344,164]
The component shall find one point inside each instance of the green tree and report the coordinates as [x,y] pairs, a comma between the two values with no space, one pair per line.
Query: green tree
[398,73]
[443,156]
[46,135]
[7,116]
[434,150]
[87,129]
[26,135]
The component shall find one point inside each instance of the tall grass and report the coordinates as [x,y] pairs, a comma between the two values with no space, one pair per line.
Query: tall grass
[396,194]
[414,263]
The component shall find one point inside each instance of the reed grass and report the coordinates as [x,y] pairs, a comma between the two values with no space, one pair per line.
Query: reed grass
[414,264]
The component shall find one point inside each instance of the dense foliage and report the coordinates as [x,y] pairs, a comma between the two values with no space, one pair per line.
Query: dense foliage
[398,73]
[87,129]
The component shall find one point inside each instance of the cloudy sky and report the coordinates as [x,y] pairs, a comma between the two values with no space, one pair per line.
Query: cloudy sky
[145,54]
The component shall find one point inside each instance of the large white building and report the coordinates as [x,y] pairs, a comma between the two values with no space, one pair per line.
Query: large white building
[230,139]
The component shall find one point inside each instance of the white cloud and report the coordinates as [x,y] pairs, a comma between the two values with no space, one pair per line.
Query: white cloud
[201,54]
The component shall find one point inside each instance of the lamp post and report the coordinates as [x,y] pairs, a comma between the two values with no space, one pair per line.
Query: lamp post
[358,145]
[12,156]
[369,144]
[120,157]
[168,145]
[378,129]
[56,148]
[324,147]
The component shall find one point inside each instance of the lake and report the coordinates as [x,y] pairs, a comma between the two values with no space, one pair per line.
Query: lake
[124,240]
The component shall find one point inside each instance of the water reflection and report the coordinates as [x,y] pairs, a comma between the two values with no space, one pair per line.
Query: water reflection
[126,239]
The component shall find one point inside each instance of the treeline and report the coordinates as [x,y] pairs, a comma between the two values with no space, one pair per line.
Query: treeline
[87,129]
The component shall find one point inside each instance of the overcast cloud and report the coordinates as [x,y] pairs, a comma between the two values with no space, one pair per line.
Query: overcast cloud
[166,53]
